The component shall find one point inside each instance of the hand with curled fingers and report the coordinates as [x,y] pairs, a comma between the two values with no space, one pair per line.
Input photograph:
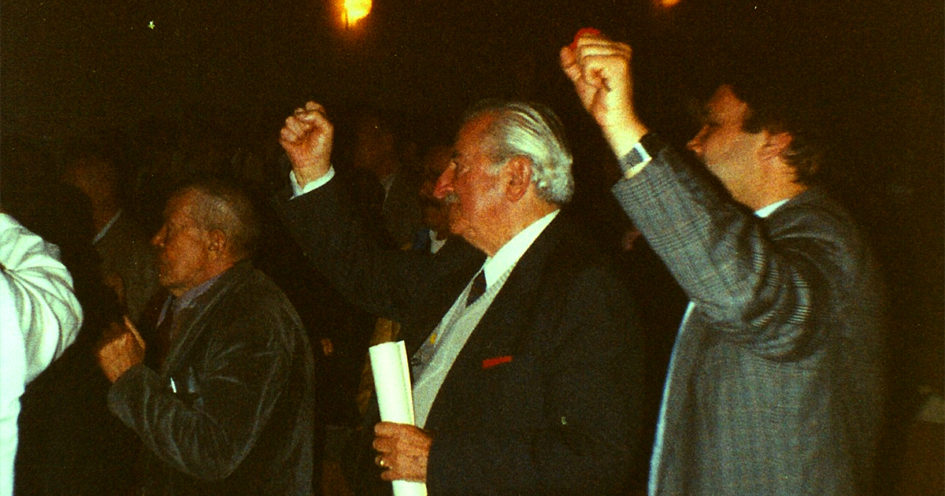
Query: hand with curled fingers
[402,450]
[120,348]
[600,70]
[307,139]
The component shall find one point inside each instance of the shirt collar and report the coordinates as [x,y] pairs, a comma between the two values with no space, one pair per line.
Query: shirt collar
[175,305]
[512,251]
[769,209]
[187,299]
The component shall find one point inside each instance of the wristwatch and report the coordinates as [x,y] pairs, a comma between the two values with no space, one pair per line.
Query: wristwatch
[640,155]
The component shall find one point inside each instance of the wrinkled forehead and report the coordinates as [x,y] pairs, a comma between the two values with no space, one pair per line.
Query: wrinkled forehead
[725,105]
[475,136]
[180,205]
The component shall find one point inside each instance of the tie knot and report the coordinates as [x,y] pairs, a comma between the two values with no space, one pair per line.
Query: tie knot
[477,289]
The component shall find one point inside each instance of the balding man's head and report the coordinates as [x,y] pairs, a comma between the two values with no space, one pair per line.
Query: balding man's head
[208,227]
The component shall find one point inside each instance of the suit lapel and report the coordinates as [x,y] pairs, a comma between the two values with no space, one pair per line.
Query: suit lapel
[504,327]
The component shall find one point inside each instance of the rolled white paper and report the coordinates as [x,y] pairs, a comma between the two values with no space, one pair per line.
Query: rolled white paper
[394,397]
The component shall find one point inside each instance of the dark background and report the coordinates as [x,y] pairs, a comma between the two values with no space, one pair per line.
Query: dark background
[68,68]
[69,65]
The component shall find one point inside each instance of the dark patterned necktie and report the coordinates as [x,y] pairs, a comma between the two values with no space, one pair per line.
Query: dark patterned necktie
[477,289]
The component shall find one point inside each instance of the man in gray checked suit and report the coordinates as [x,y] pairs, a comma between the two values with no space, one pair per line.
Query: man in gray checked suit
[775,384]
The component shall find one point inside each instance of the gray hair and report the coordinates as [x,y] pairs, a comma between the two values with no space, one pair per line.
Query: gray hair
[223,206]
[531,130]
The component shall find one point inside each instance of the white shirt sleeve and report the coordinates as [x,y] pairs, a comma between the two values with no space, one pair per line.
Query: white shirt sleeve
[311,185]
[36,296]
[12,384]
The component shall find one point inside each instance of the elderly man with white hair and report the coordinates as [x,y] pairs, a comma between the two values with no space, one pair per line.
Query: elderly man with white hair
[527,367]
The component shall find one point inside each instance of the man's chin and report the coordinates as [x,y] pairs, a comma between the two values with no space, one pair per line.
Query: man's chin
[165,281]
[457,228]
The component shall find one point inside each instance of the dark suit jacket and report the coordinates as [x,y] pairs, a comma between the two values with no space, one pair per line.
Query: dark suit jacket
[561,415]
[401,208]
[238,416]
[776,385]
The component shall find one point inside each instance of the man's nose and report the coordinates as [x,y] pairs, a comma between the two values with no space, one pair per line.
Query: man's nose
[444,185]
[695,144]
[158,239]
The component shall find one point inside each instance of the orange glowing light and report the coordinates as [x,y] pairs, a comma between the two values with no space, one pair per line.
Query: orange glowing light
[668,3]
[355,10]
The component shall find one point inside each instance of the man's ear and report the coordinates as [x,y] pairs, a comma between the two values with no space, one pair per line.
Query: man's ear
[518,175]
[217,244]
[775,144]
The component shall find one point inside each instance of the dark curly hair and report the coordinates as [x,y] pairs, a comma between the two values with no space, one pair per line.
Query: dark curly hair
[778,104]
